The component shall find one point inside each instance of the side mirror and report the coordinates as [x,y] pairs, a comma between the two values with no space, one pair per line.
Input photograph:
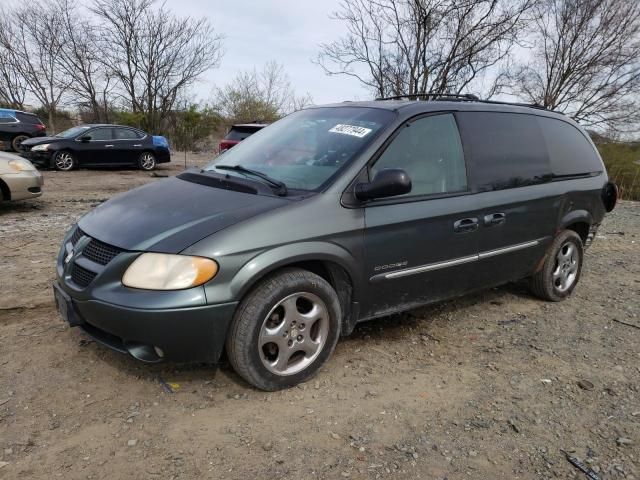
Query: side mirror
[388,182]
[85,138]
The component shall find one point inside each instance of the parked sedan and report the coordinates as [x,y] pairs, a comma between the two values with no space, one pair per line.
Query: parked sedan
[97,145]
[19,179]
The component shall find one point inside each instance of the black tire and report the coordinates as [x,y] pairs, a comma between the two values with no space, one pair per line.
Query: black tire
[64,161]
[17,140]
[555,280]
[147,161]
[257,312]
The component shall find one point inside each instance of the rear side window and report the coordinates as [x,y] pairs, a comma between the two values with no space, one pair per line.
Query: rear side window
[508,149]
[100,134]
[127,134]
[240,133]
[29,118]
[7,118]
[430,151]
[570,152]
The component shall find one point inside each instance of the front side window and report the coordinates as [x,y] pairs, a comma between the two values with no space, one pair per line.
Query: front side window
[305,149]
[72,132]
[430,151]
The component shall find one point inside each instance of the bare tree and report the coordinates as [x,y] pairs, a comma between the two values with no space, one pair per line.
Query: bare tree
[81,61]
[399,47]
[28,39]
[154,55]
[259,95]
[586,62]
[13,89]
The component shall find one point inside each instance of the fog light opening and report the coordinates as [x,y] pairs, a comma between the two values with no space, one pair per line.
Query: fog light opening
[145,353]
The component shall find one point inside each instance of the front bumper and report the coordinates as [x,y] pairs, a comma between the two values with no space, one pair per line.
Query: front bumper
[39,158]
[24,185]
[195,334]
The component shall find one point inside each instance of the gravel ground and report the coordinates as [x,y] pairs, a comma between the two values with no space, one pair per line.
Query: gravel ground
[492,385]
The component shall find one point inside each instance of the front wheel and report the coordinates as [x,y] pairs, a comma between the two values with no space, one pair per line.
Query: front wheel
[561,270]
[284,330]
[147,161]
[64,161]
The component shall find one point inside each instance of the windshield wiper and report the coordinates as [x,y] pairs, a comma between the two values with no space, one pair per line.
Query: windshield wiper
[280,188]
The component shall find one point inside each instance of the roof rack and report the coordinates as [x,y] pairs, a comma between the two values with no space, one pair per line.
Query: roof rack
[433,96]
[455,97]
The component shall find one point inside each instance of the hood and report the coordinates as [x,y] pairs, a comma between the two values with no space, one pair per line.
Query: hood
[31,142]
[170,215]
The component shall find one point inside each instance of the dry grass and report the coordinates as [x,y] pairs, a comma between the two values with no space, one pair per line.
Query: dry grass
[623,164]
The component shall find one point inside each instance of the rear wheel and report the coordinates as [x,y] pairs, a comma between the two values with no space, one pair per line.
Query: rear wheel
[147,161]
[562,268]
[284,330]
[64,161]
[17,141]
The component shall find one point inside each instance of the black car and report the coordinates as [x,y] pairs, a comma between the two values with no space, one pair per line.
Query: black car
[17,126]
[97,145]
[332,216]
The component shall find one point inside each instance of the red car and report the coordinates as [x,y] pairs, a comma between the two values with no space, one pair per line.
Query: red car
[239,132]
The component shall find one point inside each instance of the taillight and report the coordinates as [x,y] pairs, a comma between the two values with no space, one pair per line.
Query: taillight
[609,196]
[40,127]
[226,145]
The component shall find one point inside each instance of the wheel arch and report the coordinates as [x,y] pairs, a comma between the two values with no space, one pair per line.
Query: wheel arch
[4,189]
[329,261]
[16,135]
[579,221]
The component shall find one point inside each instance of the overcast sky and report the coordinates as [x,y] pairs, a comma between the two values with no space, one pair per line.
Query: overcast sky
[288,31]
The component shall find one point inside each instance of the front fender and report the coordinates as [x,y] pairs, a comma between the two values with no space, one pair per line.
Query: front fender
[284,255]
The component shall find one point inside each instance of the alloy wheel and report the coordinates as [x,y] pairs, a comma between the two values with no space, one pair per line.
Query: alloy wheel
[293,333]
[64,161]
[147,161]
[566,268]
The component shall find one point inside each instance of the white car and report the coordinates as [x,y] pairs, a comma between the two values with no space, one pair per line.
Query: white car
[19,179]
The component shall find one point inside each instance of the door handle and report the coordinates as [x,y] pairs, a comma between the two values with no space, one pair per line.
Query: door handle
[465,225]
[108,146]
[495,219]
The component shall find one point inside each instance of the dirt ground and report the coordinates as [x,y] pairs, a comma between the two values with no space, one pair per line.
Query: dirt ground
[489,386]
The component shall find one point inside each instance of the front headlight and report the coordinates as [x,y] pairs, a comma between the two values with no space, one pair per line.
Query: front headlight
[21,165]
[161,271]
[40,148]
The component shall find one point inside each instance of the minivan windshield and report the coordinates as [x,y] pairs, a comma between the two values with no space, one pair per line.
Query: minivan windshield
[72,132]
[305,149]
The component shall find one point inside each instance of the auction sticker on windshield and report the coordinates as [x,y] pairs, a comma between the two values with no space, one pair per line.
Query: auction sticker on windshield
[352,130]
